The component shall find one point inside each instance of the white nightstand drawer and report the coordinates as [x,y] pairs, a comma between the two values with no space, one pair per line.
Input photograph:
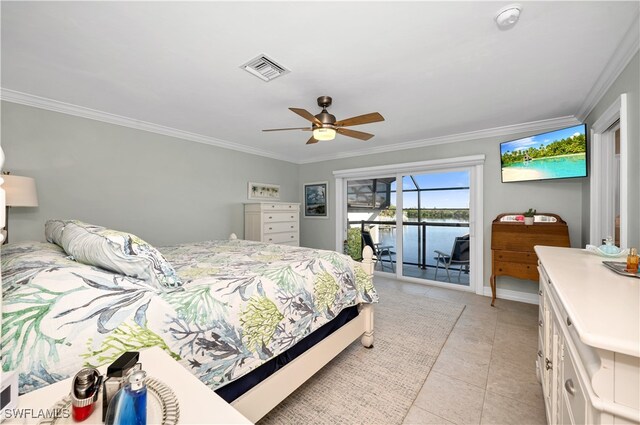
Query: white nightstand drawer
[281,237]
[279,216]
[280,227]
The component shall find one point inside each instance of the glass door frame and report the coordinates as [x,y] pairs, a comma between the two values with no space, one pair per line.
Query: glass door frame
[473,164]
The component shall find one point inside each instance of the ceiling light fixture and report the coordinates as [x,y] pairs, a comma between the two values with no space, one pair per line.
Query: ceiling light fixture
[508,16]
[324,133]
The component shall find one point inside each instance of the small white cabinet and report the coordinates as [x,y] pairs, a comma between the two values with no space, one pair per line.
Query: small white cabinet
[272,222]
[589,340]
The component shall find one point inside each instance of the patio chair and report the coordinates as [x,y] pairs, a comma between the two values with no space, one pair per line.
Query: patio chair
[379,251]
[459,256]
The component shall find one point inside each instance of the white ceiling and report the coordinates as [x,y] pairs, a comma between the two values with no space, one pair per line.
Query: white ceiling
[431,68]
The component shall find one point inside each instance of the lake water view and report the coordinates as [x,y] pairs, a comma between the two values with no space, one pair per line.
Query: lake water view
[438,237]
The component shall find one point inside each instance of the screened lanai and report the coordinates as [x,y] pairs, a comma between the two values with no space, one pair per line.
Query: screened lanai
[434,220]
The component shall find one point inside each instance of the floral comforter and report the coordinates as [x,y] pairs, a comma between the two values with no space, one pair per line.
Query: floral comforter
[241,303]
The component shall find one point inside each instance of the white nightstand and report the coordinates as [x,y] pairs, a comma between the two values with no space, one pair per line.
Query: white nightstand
[198,403]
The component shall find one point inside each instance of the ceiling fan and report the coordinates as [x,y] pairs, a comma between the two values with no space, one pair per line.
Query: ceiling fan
[324,125]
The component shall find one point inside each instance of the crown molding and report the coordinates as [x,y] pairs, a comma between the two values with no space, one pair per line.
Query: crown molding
[80,111]
[507,130]
[621,57]
[93,114]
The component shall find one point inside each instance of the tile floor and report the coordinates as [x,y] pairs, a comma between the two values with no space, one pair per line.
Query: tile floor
[485,373]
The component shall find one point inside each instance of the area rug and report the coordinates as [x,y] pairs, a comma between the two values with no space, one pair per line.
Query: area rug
[376,386]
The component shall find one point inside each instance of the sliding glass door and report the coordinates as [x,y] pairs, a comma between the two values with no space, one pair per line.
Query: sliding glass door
[435,226]
[418,223]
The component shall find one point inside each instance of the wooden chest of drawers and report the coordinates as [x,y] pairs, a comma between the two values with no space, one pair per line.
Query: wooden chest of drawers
[272,222]
[512,245]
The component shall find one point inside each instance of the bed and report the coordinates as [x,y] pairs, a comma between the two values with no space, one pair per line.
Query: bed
[233,308]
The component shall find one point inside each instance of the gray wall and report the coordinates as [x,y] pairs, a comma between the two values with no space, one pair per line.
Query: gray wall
[628,82]
[563,197]
[163,189]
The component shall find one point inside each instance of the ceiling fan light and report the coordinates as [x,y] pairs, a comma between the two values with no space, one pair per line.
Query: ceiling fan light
[324,134]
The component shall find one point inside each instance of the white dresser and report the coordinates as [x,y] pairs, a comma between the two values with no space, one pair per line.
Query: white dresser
[272,222]
[589,340]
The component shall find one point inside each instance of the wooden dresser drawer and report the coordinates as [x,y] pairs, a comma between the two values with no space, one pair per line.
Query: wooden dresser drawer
[277,227]
[520,270]
[281,237]
[275,217]
[516,257]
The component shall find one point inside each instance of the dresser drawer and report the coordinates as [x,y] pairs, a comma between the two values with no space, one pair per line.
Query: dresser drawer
[278,227]
[281,237]
[275,217]
[516,257]
[572,391]
[521,270]
[279,206]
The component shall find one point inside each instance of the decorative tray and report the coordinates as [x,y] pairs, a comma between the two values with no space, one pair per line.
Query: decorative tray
[162,407]
[599,251]
[620,268]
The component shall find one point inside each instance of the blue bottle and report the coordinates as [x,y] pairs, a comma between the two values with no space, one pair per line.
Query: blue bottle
[129,405]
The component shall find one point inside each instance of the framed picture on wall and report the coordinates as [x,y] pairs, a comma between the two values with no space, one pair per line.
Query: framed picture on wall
[263,191]
[316,196]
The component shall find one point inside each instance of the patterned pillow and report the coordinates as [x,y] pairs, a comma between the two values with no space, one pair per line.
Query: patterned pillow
[53,231]
[119,252]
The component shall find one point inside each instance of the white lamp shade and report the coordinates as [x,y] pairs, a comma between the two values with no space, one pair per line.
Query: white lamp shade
[20,191]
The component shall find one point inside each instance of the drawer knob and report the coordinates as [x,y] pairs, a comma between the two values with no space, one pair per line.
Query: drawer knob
[540,353]
[569,322]
[499,270]
[548,364]
[291,237]
[540,323]
[292,227]
[568,385]
[291,216]
[270,217]
[270,228]
[270,239]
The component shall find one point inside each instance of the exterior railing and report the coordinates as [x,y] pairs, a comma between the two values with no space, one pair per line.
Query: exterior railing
[422,235]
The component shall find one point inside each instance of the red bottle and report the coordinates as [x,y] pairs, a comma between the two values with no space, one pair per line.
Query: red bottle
[85,387]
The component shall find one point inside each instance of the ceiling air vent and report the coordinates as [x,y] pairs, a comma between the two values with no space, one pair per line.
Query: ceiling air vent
[265,68]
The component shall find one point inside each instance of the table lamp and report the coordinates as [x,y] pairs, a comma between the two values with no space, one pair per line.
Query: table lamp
[19,192]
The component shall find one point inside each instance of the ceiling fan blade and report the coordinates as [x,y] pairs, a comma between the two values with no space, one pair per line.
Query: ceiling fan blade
[311,141]
[306,115]
[360,119]
[283,129]
[352,133]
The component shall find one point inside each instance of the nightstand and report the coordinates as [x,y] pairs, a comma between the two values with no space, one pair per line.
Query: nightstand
[198,403]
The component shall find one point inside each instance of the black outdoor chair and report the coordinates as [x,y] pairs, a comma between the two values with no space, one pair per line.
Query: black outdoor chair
[379,251]
[459,256]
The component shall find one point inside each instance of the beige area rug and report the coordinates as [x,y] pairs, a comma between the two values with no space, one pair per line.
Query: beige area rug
[376,386]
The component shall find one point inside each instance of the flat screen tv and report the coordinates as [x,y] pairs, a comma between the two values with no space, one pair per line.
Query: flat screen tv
[560,154]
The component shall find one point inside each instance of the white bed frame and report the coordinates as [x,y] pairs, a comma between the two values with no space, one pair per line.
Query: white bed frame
[259,400]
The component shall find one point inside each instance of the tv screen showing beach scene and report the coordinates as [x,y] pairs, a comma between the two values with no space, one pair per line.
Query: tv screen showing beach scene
[559,154]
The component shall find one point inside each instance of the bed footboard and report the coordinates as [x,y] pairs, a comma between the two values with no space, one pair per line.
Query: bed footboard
[259,400]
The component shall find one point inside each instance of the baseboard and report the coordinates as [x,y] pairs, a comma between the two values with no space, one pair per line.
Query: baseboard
[507,294]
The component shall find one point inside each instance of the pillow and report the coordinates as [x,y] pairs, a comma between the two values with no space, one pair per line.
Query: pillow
[119,252]
[53,231]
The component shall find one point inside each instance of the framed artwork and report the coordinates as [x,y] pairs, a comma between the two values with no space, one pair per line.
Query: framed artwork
[263,191]
[316,200]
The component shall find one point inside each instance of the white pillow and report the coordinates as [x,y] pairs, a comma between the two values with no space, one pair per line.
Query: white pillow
[119,252]
[53,231]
